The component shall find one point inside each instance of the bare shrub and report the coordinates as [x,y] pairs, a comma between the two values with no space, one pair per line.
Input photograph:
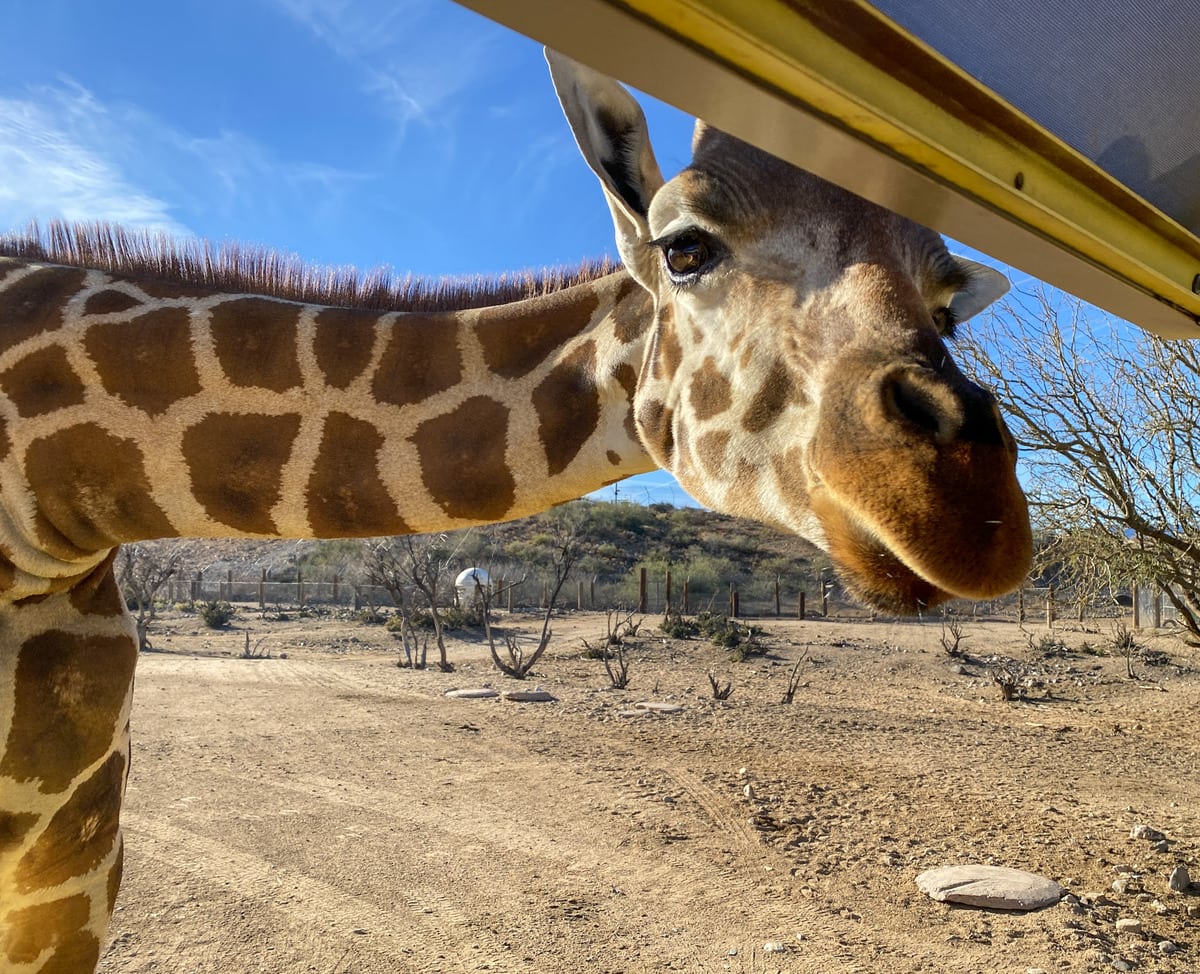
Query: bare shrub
[793,681]
[142,571]
[720,692]
[952,635]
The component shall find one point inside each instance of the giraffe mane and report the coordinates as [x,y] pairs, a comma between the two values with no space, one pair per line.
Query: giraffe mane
[250,269]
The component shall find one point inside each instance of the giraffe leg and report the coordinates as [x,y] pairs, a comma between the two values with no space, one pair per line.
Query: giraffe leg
[66,681]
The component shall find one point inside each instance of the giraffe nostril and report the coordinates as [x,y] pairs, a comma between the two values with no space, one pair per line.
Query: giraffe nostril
[922,400]
[915,406]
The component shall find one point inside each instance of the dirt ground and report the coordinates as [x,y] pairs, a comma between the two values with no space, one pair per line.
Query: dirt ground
[331,812]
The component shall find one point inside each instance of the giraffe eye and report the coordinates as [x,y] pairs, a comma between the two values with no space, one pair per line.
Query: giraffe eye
[946,321]
[689,254]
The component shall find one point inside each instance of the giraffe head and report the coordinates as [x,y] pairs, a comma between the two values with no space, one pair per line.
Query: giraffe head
[797,371]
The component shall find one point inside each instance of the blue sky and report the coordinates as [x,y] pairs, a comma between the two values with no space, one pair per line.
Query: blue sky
[412,134]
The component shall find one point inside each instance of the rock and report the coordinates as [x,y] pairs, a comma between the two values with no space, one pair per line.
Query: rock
[748,791]
[1179,880]
[1160,908]
[774,947]
[1120,885]
[528,696]
[992,887]
[658,707]
[1193,911]
[472,693]
[1147,833]
[1167,947]
[1163,846]
[1129,925]
[1122,965]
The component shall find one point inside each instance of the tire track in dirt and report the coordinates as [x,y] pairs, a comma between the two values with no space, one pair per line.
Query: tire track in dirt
[425,924]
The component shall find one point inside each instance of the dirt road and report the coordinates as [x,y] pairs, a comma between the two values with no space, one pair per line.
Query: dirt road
[330,812]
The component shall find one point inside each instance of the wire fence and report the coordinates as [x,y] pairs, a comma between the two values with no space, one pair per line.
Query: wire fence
[663,594]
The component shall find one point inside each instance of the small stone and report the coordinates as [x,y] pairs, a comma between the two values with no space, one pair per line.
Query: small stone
[1122,965]
[774,947]
[1167,947]
[1179,880]
[1147,833]
[1129,925]
[748,791]
[1163,846]
[990,887]
[1120,885]
[658,707]
[1122,869]
[1035,970]
[1160,908]
[528,696]
[1193,911]
[472,693]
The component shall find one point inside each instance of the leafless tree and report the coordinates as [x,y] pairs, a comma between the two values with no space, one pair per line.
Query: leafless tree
[414,565]
[560,550]
[142,571]
[1108,418]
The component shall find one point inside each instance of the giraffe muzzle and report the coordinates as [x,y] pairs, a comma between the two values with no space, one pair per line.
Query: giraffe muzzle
[919,498]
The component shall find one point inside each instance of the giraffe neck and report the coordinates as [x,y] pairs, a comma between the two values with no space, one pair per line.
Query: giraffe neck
[132,409]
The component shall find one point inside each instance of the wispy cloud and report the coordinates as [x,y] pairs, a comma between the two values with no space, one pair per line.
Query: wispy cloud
[57,158]
[413,63]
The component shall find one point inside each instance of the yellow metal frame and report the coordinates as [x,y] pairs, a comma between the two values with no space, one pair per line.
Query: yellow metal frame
[843,91]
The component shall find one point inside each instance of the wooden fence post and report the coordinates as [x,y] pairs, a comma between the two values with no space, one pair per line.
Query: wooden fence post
[335,588]
[800,607]
[262,591]
[1020,605]
[579,593]
[1050,607]
[687,602]
[642,591]
[300,589]
[1137,608]
[1157,607]
[777,612]
[667,599]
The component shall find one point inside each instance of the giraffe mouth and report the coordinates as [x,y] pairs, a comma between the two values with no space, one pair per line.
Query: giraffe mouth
[871,570]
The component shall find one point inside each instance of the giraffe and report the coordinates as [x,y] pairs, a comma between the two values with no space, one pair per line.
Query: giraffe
[775,342]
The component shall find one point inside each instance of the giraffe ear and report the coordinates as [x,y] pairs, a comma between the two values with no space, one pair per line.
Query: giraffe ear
[611,132]
[984,286]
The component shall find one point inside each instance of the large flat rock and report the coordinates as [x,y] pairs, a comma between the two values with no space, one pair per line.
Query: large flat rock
[991,887]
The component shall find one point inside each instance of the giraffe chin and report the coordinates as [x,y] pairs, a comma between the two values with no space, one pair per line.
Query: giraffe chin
[870,570]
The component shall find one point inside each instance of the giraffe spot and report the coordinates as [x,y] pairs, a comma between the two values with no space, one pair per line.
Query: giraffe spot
[515,344]
[772,397]
[33,304]
[421,359]
[236,466]
[462,460]
[114,874]
[8,571]
[42,382]
[343,344]
[710,391]
[69,694]
[346,496]
[567,404]
[255,341]
[36,929]
[711,449]
[81,833]
[666,353]
[631,311]
[13,828]
[109,301]
[655,421]
[92,491]
[613,457]
[626,375]
[78,952]
[97,593]
[146,362]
